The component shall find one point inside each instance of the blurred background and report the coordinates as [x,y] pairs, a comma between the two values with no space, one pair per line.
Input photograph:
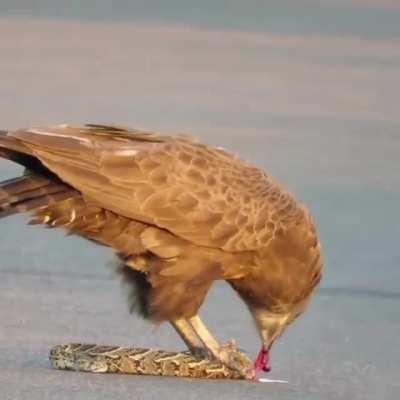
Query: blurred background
[307,90]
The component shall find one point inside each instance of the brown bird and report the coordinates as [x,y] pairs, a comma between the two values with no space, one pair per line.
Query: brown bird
[180,215]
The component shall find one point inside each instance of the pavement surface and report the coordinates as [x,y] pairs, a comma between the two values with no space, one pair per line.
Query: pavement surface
[313,101]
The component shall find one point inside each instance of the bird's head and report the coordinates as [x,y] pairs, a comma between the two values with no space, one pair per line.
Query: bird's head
[270,326]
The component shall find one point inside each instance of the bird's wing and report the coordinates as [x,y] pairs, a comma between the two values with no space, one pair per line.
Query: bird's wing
[198,192]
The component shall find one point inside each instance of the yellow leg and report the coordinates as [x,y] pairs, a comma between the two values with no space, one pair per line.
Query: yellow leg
[188,335]
[205,336]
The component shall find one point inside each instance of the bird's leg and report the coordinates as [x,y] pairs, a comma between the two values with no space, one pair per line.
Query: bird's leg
[227,354]
[205,335]
[189,336]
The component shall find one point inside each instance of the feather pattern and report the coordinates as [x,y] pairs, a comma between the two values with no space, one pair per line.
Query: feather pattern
[197,192]
[182,213]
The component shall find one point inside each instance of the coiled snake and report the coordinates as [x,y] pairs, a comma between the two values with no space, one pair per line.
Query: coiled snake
[138,361]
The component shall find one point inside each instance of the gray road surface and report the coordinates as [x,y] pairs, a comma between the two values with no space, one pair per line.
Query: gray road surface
[315,103]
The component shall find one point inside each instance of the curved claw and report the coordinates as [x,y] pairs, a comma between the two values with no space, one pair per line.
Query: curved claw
[235,359]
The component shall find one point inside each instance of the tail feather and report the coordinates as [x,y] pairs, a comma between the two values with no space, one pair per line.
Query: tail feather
[39,188]
[33,194]
[12,190]
[38,202]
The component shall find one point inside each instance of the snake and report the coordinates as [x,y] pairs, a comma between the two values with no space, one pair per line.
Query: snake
[140,361]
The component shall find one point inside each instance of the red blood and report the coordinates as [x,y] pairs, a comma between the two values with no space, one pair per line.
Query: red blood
[262,361]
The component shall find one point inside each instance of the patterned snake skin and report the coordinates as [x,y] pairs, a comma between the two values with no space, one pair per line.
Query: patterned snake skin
[138,361]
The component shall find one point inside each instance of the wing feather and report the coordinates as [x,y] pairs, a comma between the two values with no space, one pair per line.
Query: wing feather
[198,192]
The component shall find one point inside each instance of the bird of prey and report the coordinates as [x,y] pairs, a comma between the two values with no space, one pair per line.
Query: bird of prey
[180,215]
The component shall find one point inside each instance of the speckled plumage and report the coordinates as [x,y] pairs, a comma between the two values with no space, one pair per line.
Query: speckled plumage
[183,213]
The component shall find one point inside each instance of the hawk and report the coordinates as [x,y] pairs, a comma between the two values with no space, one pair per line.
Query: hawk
[180,215]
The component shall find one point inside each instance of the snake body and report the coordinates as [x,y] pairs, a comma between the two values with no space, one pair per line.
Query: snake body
[138,361]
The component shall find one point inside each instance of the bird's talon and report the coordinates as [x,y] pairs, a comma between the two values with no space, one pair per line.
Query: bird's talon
[235,359]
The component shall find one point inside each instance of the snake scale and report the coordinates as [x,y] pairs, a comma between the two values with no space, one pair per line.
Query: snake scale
[138,361]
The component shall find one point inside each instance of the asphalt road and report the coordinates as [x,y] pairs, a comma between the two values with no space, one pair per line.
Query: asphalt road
[317,112]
